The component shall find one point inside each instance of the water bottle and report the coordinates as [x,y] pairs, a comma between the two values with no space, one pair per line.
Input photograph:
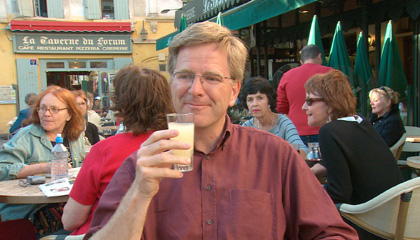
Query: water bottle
[59,165]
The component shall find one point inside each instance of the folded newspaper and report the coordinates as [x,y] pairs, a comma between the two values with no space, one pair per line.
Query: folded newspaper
[60,187]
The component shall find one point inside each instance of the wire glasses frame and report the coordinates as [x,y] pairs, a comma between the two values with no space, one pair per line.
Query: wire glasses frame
[208,78]
[53,110]
[309,101]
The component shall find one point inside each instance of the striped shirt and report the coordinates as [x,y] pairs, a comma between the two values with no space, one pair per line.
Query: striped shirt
[284,129]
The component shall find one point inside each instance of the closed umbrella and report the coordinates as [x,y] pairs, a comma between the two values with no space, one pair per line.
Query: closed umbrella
[219,19]
[362,72]
[339,57]
[391,71]
[315,38]
[183,23]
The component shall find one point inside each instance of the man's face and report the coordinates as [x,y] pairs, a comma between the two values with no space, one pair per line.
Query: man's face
[208,102]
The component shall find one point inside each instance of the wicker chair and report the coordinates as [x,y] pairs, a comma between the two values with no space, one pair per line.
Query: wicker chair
[57,237]
[394,214]
[397,148]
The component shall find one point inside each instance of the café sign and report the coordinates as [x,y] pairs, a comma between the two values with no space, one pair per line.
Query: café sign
[55,43]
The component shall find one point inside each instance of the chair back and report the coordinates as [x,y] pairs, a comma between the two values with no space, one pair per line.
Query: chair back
[396,149]
[409,146]
[394,214]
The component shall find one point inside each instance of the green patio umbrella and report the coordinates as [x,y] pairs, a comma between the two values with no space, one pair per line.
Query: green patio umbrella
[339,57]
[362,73]
[391,71]
[183,24]
[219,19]
[315,38]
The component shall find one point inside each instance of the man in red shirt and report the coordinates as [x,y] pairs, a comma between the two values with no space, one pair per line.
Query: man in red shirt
[246,183]
[291,91]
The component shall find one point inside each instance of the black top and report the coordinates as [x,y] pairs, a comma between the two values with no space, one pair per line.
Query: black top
[91,133]
[389,126]
[359,164]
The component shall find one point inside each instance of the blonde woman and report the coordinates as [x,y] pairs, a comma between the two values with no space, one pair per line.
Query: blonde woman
[386,117]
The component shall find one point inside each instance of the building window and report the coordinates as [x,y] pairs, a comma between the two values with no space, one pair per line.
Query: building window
[77,65]
[162,67]
[55,64]
[40,7]
[98,65]
[107,7]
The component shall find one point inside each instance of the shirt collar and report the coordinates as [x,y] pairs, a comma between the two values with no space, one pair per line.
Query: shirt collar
[355,118]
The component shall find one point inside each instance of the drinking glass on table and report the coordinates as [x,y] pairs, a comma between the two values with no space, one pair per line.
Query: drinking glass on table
[314,154]
[184,123]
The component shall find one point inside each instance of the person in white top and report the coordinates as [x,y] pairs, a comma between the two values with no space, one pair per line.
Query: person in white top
[93,117]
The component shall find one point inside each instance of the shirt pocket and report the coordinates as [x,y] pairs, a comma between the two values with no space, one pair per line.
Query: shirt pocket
[251,214]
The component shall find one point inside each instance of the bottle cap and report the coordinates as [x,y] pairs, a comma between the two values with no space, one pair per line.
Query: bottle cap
[58,139]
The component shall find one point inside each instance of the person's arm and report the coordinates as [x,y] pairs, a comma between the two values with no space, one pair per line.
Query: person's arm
[282,101]
[154,163]
[339,185]
[30,170]
[74,214]
[319,171]
[392,131]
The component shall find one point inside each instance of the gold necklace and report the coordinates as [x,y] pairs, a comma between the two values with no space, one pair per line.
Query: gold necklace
[258,124]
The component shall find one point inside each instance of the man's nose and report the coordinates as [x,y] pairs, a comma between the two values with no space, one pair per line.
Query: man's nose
[196,85]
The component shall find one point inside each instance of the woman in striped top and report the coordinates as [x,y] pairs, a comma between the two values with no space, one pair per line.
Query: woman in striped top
[258,96]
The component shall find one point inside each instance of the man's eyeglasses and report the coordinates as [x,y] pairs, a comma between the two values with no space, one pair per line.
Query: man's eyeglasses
[208,78]
[309,101]
[53,110]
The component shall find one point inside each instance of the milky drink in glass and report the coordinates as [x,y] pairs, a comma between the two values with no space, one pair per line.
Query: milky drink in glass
[184,123]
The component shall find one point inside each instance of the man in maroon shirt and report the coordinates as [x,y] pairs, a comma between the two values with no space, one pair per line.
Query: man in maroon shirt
[246,183]
[291,92]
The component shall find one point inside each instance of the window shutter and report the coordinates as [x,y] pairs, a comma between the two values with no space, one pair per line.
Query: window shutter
[55,8]
[121,9]
[27,79]
[92,9]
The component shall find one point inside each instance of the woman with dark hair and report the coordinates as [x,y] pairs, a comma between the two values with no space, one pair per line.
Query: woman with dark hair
[258,96]
[142,99]
[91,131]
[386,117]
[358,163]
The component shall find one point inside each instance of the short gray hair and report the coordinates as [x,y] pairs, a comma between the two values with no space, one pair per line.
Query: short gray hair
[209,32]
[309,52]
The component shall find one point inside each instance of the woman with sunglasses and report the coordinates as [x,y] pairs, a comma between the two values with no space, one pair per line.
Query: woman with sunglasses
[258,96]
[357,162]
[386,117]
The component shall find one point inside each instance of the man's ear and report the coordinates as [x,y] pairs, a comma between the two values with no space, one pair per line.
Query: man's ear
[236,88]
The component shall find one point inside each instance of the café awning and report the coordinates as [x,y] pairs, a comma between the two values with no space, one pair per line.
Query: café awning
[247,14]
[59,26]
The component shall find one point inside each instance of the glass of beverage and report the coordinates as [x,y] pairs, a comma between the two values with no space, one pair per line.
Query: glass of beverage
[314,154]
[184,123]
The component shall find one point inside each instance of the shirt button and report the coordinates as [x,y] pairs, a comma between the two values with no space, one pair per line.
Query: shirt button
[209,222]
[207,157]
[208,187]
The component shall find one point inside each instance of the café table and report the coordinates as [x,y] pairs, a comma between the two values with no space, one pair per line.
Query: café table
[109,130]
[413,139]
[12,192]
[414,162]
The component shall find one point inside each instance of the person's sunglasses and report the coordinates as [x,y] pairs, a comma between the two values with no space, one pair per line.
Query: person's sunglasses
[309,101]
[384,89]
